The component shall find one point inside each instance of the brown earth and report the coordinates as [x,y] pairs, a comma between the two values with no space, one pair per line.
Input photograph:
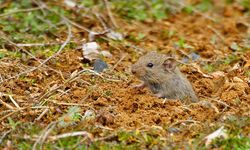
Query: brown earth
[110,95]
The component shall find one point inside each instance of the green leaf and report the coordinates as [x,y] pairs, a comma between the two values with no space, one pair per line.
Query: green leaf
[205,5]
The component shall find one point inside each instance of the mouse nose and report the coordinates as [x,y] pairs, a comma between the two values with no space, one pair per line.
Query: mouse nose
[133,70]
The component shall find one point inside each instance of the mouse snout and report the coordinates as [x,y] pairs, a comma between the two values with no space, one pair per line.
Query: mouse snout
[133,70]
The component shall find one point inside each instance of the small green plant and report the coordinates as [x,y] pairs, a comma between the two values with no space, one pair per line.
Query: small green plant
[188,9]
[245,4]
[87,3]
[23,145]
[29,26]
[11,54]
[107,93]
[70,117]
[209,68]
[13,124]
[204,5]
[237,143]
[230,59]
[28,80]
[168,33]
[67,143]
[182,43]
[247,73]
[139,37]
[236,139]
[2,55]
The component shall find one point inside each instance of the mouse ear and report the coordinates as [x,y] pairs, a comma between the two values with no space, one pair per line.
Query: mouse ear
[169,64]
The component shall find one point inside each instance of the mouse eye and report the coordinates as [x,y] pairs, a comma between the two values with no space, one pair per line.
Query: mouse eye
[150,65]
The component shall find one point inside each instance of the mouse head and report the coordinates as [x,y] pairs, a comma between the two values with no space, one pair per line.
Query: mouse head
[153,66]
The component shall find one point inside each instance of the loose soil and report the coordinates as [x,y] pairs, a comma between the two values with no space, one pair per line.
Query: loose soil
[110,95]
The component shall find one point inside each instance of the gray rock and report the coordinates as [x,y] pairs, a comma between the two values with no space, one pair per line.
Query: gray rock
[100,65]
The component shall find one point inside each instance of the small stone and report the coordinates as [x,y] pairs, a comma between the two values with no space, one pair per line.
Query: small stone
[89,115]
[90,50]
[100,65]
[185,60]
[194,56]
[115,35]
[234,46]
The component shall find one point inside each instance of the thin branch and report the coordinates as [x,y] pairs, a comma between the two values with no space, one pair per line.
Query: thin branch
[183,121]
[6,116]
[4,135]
[14,102]
[21,109]
[217,33]
[36,44]
[19,10]
[42,114]
[71,134]
[46,60]
[62,46]
[119,61]
[98,16]
[68,104]
[6,105]
[3,36]
[44,135]
[110,14]
[64,18]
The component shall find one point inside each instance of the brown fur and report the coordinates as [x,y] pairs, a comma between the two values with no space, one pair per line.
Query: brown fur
[165,81]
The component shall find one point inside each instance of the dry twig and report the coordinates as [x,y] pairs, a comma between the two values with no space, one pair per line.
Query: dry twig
[45,133]
[110,14]
[119,61]
[14,102]
[6,105]
[217,33]
[3,36]
[183,121]
[19,10]
[71,134]
[6,116]
[4,135]
[42,114]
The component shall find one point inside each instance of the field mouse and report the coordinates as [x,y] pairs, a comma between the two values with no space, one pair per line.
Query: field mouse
[160,73]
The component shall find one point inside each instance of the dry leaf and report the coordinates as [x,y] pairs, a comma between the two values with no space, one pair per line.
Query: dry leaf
[218,74]
[199,70]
